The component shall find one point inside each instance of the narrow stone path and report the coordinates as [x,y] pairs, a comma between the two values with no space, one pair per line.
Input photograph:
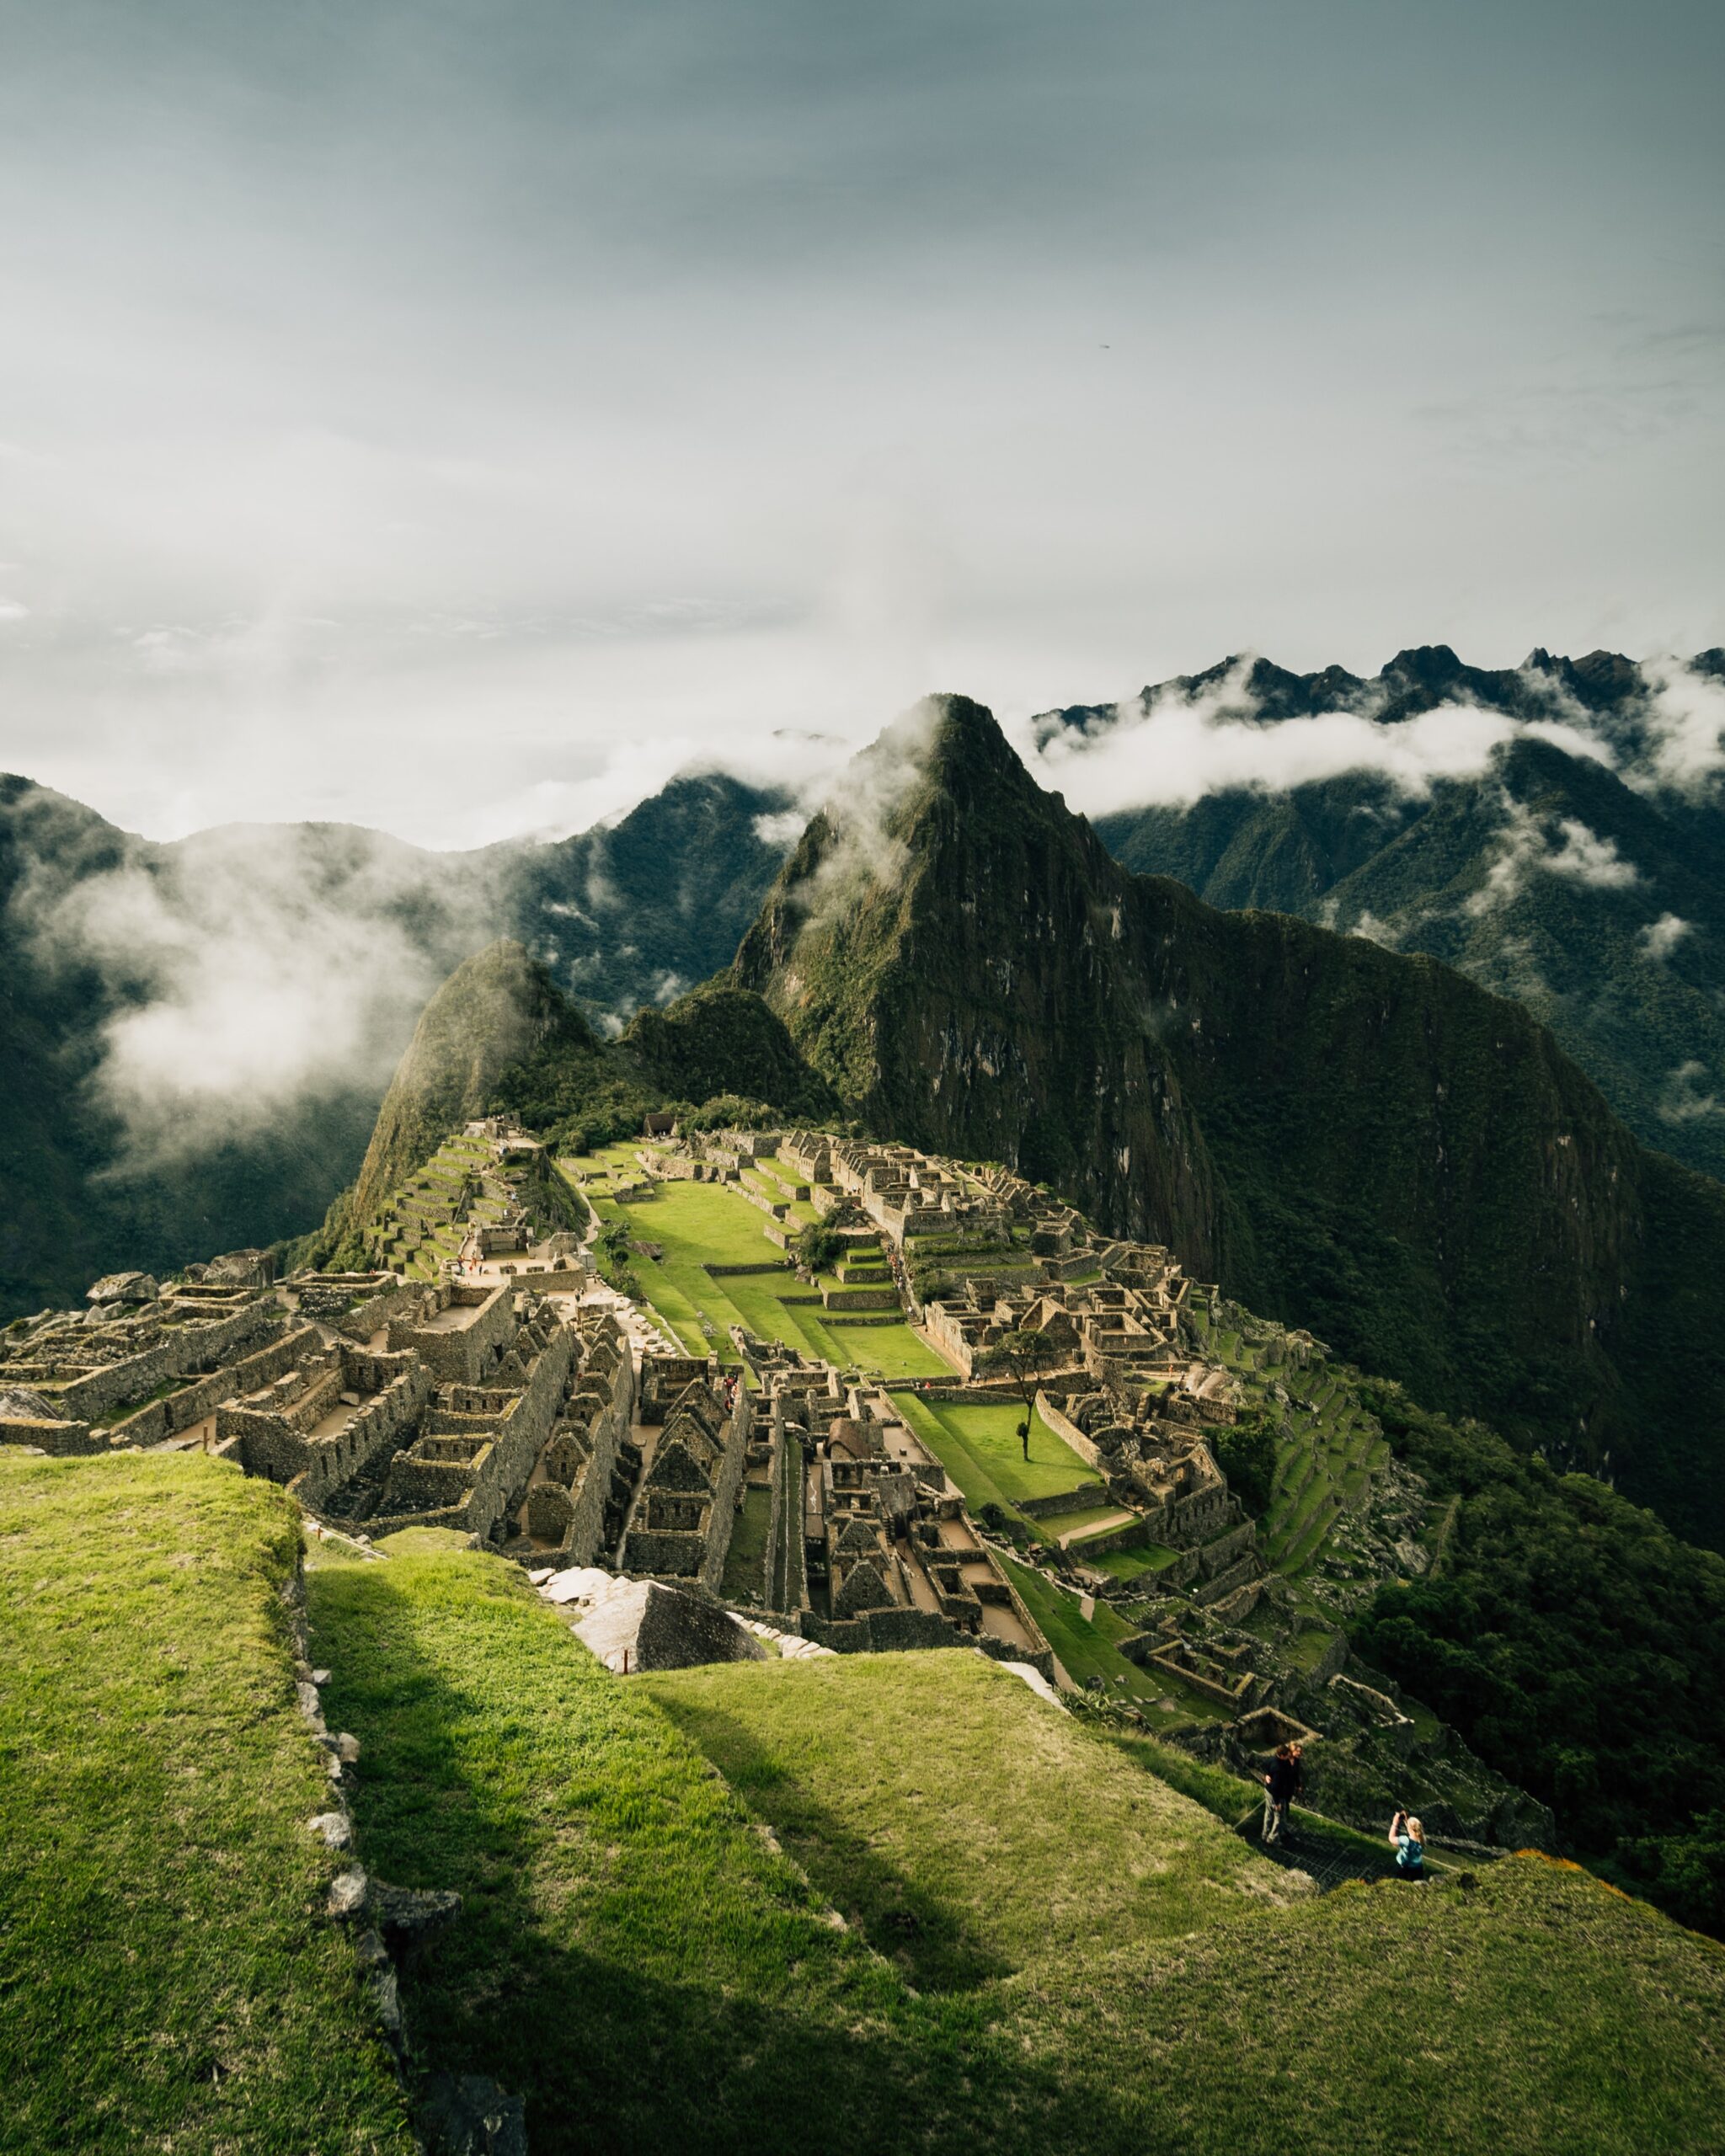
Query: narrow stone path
[1096,1527]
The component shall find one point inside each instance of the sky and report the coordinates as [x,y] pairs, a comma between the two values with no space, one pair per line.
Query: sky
[455,418]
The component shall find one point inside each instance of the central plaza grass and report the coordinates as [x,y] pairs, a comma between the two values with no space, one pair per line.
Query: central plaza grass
[168,1979]
[697,1224]
[1037,1945]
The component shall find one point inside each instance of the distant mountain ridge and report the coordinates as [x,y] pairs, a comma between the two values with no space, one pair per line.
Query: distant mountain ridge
[1587,890]
[1628,974]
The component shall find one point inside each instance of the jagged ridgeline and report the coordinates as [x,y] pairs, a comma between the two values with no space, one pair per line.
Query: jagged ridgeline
[1358,1141]
[500,1036]
[1592,892]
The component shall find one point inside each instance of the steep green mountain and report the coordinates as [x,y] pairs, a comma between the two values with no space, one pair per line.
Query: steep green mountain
[290,964]
[496,1010]
[501,1037]
[1594,895]
[633,913]
[1351,1139]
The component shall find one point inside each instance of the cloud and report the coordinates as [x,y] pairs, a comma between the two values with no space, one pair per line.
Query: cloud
[246,973]
[863,851]
[1683,1101]
[780,827]
[1588,858]
[1660,937]
[1685,722]
[1523,846]
[1384,932]
[1178,747]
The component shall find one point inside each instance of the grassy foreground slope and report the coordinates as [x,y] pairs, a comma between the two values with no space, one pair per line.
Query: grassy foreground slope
[167,1980]
[1036,1945]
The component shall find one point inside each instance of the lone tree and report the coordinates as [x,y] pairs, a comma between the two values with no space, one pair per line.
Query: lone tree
[1023,1357]
[614,1244]
[818,1246]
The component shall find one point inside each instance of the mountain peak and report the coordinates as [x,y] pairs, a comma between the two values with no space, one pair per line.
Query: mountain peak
[1430,665]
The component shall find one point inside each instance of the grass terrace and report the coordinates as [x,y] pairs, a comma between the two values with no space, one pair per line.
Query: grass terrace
[897,1902]
[168,1979]
[882,1775]
[978,1446]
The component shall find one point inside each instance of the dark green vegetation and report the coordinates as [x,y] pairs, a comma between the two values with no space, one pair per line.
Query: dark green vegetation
[167,1980]
[1360,1142]
[97,925]
[78,1199]
[1069,1956]
[1579,1648]
[1485,874]
[1246,1453]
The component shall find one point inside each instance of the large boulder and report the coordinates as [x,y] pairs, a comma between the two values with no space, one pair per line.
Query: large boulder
[124,1288]
[18,1404]
[644,1624]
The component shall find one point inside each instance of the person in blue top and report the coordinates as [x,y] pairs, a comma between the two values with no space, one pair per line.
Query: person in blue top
[1408,1839]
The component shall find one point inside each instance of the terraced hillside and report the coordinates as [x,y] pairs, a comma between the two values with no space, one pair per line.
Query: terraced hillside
[425,1223]
[1331,1449]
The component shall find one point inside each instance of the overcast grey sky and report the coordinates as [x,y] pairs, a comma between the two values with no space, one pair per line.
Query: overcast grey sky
[452,417]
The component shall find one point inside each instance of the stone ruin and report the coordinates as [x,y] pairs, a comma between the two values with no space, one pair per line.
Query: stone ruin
[482,1194]
[868,1544]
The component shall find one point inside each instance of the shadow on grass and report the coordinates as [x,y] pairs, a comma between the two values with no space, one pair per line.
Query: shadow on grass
[788,2037]
[923,1936]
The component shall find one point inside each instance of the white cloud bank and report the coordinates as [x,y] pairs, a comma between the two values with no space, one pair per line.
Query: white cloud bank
[250,972]
[1660,937]
[1174,750]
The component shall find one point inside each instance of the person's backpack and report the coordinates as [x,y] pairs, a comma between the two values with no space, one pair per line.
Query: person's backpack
[1410,1855]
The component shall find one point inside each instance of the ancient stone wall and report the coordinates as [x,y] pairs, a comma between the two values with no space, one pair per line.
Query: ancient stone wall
[726,1486]
[459,1356]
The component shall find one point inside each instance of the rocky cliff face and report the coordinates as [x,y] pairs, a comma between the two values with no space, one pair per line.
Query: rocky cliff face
[1352,1139]
[957,969]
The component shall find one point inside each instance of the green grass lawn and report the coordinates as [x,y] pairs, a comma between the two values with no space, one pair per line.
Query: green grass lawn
[882,1775]
[167,1980]
[980,1448]
[698,1225]
[1067,1954]
[1086,1647]
[1134,1563]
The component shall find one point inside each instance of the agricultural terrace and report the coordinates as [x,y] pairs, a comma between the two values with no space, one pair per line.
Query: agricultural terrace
[1322,1467]
[917,1906]
[169,1979]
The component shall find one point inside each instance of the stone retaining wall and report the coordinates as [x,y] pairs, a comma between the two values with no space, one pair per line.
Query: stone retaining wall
[727,1483]
[1064,1427]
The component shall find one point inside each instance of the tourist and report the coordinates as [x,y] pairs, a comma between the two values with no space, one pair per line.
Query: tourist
[1280,1785]
[1408,1839]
